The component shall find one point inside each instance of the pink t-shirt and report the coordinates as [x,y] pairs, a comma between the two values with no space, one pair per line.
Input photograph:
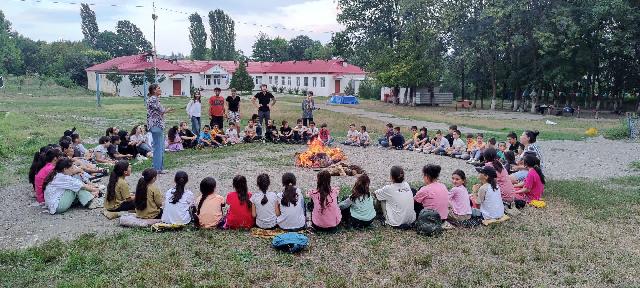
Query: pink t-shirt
[434,196]
[330,216]
[534,184]
[505,184]
[39,181]
[459,200]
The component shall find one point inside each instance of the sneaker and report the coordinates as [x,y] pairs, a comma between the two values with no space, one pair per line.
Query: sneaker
[447,226]
[96,203]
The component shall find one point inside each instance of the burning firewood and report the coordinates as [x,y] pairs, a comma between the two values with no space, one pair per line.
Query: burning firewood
[319,156]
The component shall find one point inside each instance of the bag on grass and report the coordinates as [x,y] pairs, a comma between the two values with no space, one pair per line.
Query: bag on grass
[429,223]
[290,242]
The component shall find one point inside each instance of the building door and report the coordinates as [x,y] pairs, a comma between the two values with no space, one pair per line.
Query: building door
[337,86]
[177,87]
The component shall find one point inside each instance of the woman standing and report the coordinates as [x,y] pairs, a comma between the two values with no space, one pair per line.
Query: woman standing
[155,122]
[308,105]
[194,109]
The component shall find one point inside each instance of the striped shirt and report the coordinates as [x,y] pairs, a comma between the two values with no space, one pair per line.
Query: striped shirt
[533,148]
[155,113]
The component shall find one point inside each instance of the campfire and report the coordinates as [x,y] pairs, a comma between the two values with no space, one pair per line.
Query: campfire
[319,156]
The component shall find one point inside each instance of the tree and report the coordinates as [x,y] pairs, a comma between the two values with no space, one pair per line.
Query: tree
[319,51]
[130,39]
[223,36]
[10,56]
[89,25]
[138,80]
[109,42]
[298,45]
[241,80]
[267,49]
[115,78]
[29,50]
[198,37]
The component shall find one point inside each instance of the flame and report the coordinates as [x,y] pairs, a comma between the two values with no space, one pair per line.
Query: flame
[319,156]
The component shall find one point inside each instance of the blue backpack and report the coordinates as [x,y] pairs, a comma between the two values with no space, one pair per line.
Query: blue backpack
[290,242]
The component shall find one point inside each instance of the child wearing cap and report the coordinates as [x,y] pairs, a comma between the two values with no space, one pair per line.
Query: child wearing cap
[487,194]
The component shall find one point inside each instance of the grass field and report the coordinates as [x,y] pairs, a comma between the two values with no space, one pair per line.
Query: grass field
[587,235]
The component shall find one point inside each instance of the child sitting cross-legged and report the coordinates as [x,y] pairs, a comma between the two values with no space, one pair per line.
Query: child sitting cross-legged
[264,204]
[421,140]
[205,137]
[217,136]
[178,201]
[396,140]
[459,202]
[288,135]
[533,185]
[232,134]
[395,201]
[250,132]
[325,215]
[471,143]
[291,210]
[271,132]
[439,145]
[357,210]
[478,148]
[118,196]
[352,135]
[383,141]
[148,199]
[458,147]
[298,132]
[502,147]
[410,143]
[325,135]
[101,151]
[208,212]
[239,214]
[364,139]
[434,195]
[61,189]
[487,194]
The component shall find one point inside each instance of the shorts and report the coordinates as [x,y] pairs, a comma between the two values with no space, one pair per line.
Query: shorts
[233,116]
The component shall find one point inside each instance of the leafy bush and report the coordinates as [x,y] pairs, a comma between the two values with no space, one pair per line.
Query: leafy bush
[281,89]
[303,91]
[619,132]
[64,81]
[290,91]
[369,89]
[349,90]
[274,88]
[296,90]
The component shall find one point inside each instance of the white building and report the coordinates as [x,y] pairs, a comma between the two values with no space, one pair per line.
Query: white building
[323,77]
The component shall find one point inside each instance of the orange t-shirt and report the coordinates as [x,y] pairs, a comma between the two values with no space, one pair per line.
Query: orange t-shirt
[211,211]
[216,106]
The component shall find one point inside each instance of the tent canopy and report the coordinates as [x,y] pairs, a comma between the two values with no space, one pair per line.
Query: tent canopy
[349,99]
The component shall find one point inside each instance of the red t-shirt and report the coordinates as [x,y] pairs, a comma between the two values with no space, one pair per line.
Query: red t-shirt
[39,181]
[324,134]
[239,214]
[216,106]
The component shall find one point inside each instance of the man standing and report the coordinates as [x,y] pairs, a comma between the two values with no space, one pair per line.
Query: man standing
[265,102]
[216,109]
[233,107]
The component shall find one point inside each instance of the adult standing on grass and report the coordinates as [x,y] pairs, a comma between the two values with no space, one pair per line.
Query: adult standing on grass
[156,123]
[265,101]
[308,105]
[216,109]
[233,107]
[194,109]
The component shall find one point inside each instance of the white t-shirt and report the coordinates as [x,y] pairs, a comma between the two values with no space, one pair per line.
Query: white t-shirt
[265,214]
[313,131]
[459,145]
[398,203]
[194,108]
[232,134]
[56,188]
[492,206]
[177,213]
[353,135]
[102,150]
[292,216]
[364,136]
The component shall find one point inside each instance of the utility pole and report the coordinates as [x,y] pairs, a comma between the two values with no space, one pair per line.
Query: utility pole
[154,16]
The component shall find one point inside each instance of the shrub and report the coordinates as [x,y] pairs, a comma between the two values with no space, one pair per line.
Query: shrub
[349,90]
[619,132]
[369,89]
[274,88]
[281,89]
[296,90]
[64,82]
[303,91]
[290,91]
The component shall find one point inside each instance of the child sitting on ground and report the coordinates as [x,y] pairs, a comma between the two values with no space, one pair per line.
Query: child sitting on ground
[287,134]
[61,189]
[51,158]
[395,201]
[178,201]
[396,140]
[502,147]
[459,203]
[298,133]
[174,142]
[188,138]
[471,143]
[239,214]
[148,198]
[218,136]
[312,131]
[271,133]
[422,140]
[434,195]
[250,132]
[208,212]
[458,147]
[264,208]
[291,210]
[232,134]
[119,196]
[205,137]
[102,151]
[325,135]
[113,152]
[509,161]
[410,143]
[487,194]
[352,135]
[533,185]
[439,144]
[79,151]
[449,136]
[384,140]
[364,139]
[357,210]
[257,125]
[325,215]
[478,148]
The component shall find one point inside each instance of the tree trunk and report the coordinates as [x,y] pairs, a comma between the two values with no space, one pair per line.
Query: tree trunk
[493,91]
[484,91]
[396,92]
[534,101]
[516,100]
[475,97]
[462,94]
[637,102]
[406,99]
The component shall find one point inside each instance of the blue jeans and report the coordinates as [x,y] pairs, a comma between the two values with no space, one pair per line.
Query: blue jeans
[195,125]
[158,148]
[263,116]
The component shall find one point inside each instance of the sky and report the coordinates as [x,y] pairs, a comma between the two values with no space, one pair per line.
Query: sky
[50,21]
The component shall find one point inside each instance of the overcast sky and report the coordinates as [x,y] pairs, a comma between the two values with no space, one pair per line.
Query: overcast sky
[49,21]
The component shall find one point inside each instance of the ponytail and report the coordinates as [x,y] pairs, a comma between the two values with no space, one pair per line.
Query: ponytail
[290,194]
[181,180]
[263,184]
[530,160]
[240,185]
[142,188]
[493,183]
[207,187]
[491,155]
[60,166]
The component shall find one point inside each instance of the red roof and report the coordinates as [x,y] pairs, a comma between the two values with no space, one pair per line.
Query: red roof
[136,63]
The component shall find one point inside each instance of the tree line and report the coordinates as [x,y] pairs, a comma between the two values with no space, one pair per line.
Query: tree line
[562,52]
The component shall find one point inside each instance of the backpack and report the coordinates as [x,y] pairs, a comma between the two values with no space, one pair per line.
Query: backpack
[290,242]
[429,223]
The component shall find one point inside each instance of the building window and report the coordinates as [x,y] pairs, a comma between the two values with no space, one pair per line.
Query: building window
[289,80]
[207,80]
[190,81]
[282,80]
[217,79]
[275,80]
[297,81]
[306,81]
[270,79]
[258,80]
[322,82]
[315,81]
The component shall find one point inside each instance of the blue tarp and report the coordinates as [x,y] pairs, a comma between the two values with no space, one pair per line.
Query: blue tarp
[349,99]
